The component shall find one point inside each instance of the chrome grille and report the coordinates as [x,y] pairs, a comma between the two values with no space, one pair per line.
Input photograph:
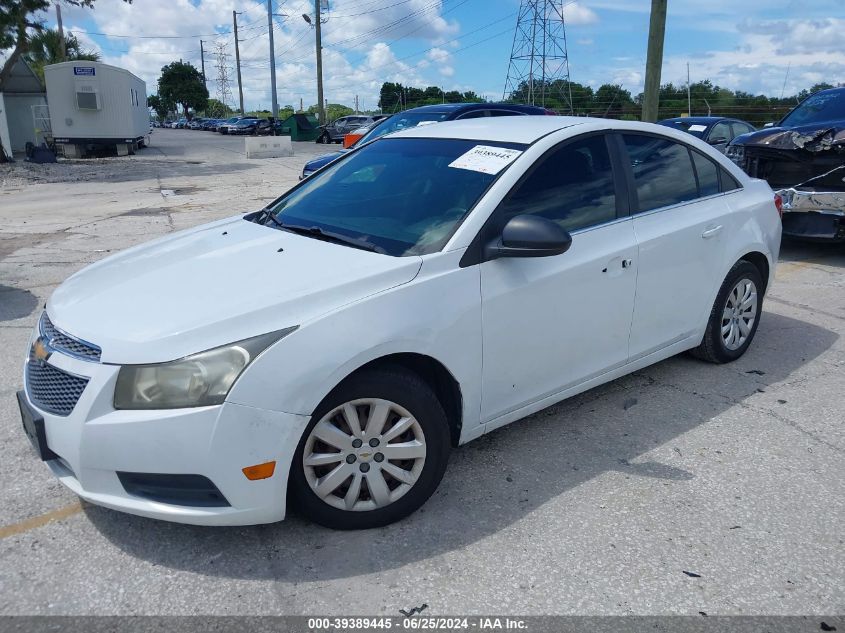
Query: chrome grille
[62,342]
[51,389]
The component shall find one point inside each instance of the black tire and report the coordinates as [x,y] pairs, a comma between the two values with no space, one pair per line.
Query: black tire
[324,138]
[713,348]
[408,391]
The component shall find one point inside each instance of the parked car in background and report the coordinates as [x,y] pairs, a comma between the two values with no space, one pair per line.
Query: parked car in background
[714,130]
[211,124]
[354,136]
[803,158]
[252,125]
[425,115]
[196,123]
[564,252]
[180,124]
[223,128]
[335,131]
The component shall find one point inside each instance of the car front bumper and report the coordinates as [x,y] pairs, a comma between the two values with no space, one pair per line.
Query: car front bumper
[813,215]
[95,442]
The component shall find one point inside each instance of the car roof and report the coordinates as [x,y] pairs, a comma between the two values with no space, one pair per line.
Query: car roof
[696,119]
[455,108]
[527,129]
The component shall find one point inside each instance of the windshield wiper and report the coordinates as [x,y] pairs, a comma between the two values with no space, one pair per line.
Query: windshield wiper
[327,236]
[268,215]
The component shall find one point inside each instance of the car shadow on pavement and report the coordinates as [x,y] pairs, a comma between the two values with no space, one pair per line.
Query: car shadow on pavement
[827,253]
[16,303]
[505,476]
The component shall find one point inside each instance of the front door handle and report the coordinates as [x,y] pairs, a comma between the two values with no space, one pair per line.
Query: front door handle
[711,232]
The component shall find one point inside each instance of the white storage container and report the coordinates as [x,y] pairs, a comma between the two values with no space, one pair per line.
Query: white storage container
[94,105]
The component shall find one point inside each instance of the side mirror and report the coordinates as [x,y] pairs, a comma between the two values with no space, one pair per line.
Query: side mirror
[530,236]
[719,140]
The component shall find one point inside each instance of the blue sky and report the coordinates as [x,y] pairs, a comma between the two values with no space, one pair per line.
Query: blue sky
[752,45]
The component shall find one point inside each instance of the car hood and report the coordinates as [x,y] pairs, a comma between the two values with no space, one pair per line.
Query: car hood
[322,161]
[816,137]
[213,285]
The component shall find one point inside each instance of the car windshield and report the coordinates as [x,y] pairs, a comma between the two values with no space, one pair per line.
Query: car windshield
[401,121]
[401,196]
[819,108]
[245,122]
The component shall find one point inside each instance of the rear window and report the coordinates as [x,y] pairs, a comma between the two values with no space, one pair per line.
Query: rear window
[402,121]
[663,172]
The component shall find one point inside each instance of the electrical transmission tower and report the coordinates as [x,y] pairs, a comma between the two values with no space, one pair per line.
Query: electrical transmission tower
[539,67]
[224,90]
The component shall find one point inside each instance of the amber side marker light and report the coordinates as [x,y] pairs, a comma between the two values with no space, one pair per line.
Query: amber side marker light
[260,471]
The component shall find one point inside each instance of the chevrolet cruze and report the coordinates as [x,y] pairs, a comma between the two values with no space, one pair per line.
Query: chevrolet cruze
[426,288]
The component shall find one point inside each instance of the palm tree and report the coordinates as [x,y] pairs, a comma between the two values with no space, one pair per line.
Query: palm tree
[45,48]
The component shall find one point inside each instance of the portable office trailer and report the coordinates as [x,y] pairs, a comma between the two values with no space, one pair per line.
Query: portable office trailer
[96,107]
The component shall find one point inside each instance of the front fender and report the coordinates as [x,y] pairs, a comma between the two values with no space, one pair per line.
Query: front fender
[295,374]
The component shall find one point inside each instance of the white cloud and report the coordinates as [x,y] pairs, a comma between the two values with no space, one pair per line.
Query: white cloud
[357,51]
[577,13]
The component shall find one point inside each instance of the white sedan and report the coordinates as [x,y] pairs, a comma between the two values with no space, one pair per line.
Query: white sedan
[417,293]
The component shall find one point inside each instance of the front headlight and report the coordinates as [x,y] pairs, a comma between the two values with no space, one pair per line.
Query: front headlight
[194,381]
[736,153]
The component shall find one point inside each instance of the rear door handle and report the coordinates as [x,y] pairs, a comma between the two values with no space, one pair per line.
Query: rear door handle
[713,230]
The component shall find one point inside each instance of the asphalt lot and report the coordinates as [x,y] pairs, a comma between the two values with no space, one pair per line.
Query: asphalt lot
[598,505]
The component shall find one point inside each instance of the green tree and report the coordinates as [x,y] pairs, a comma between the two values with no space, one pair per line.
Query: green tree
[180,83]
[19,21]
[216,108]
[158,105]
[45,48]
[333,111]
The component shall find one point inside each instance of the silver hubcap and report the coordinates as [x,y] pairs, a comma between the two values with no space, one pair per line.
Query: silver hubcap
[739,314]
[364,454]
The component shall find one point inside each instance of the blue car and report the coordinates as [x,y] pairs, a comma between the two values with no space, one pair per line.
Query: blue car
[425,115]
[715,130]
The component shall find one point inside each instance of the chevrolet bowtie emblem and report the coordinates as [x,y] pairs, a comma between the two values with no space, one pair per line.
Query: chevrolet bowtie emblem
[40,349]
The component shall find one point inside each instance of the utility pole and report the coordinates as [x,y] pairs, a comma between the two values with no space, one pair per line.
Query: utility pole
[689,98]
[356,104]
[238,61]
[654,61]
[61,31]
[272,59]
[202,61]
[321,113]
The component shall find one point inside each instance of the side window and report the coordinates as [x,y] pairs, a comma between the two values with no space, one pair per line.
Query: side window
[708,175]
[720,131]
[573,186]
[663,173]
[741,128]
[504,113]
[728,182]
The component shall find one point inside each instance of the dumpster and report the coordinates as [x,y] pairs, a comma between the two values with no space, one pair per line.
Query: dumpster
[300,127]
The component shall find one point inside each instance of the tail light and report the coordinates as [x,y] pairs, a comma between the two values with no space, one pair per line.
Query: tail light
[779,204]
[550,112]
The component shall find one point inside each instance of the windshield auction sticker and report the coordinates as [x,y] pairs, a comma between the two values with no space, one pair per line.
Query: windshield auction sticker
[486,159]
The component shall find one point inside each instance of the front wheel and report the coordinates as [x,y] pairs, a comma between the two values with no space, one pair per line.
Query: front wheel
[735,315]
[323,138]
[374,452]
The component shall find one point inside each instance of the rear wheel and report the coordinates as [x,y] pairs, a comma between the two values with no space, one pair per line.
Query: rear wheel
[735,315]
[374,452]
[324,138]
